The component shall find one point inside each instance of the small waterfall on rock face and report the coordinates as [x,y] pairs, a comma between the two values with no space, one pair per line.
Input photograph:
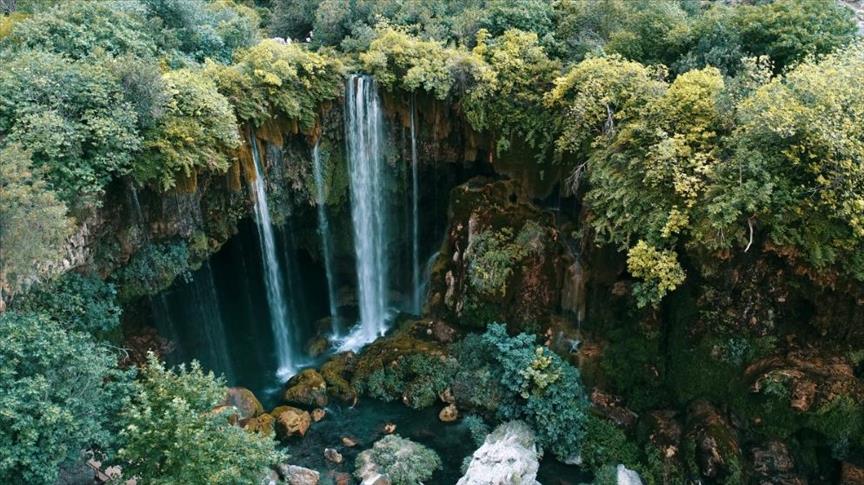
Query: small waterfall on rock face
[279,317]
[326,237]
[364,133]
[206,301]
[417,300]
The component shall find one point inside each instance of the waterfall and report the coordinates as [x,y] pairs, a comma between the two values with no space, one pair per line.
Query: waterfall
[415,215]
[326,238]
[279,320]
[210,317]
[364,133]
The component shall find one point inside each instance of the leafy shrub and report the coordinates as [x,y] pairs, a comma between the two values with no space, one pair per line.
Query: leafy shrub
[152,269]
[606,444]
[76,302]
[417,379]
[196,131]
[75,119]
[59,393]
[172,434]
[33,223]
[542,390]
[403,461]
[658,269]
[276,79]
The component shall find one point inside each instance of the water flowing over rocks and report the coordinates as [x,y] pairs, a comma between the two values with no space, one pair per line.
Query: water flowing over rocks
[507,456]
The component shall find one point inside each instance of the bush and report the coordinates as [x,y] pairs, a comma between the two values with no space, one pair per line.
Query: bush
[152,269]
[172,433]
[403,461]
[76,302]
[59,393]
[417,379]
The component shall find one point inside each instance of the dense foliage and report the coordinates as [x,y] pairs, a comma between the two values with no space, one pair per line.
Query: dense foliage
[75,301]
[401,460]
[172,433]
[59,392]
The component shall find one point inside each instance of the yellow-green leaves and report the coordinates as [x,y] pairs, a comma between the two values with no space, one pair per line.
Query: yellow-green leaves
[658,269]
[277,79]
[198,131]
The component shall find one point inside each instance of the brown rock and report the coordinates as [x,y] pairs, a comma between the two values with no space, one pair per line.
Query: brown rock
[612,407]
[298,475]
[333,456]
[342,478]
[665,435]
[291,421]
[447,396]
[318,414]
[307,388]
[248,406]
[813,379]
[390,428]
[262,424]
[349,442]
[851,474]
[442,332]
[717,449]
[449,414]
[773,464]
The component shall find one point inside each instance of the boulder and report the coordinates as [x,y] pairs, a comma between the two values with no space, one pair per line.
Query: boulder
[291,421]
[248,406]
[333,456]
[449,414]
[261,424]
[492,224]
[851,474]
[626,476]
[307,388]
[507,456]
[349,442]
[390,428]
[717,451]
[297,475]
[318,414]
[612,407]
[664,434]
[772,463]
[812,379]
[335,372]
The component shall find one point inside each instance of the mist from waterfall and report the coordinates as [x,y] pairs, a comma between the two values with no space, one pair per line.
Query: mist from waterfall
[326,237]
[417,295]
[364,137]
[279,315]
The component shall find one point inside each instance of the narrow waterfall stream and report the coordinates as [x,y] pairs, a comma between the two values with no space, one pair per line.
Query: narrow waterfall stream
[369,211]
[326,237]
[417,297]
[279,316]
[206,304]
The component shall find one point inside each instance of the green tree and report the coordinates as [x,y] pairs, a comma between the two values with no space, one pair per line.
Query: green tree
[789,30]
[196,132]
[59,393]
[276,79]
[77,28]
[172,433]
[76,302]
[75,119]
[33,223]
[796,168]
[510,103]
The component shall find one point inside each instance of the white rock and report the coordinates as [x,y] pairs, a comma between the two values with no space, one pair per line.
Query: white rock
[508,456]
[626,476]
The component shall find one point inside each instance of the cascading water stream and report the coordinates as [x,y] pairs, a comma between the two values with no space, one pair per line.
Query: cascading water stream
[326,237]
[207,307]
[364,137]
[279,316]
[417,300]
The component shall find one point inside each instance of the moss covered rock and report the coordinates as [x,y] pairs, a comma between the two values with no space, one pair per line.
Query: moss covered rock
[307,388]
[290,421]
